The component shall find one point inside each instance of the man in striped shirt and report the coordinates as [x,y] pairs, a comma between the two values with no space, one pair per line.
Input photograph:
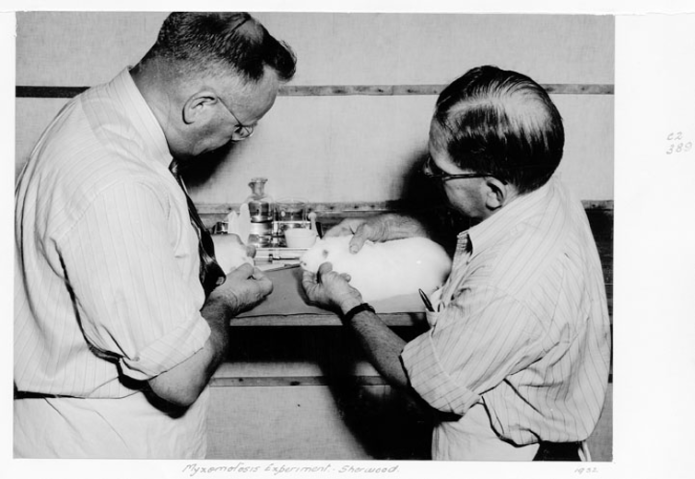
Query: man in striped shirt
[518,350]
[118,324]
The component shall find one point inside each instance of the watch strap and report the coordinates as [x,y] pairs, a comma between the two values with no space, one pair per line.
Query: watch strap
[349,316]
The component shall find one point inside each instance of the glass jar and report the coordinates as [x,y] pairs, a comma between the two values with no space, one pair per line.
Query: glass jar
[260,204]
[261,212]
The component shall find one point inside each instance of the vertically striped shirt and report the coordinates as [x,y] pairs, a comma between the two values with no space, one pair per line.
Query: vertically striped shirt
[523,325]
[106,263]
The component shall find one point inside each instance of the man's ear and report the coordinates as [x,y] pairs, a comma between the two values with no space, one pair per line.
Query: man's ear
[199,107]
[497,193]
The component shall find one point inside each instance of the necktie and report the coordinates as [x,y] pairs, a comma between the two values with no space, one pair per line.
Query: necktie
[211,274]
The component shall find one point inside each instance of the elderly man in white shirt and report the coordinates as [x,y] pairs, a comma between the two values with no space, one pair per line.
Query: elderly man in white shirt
[518,351]
[121,313]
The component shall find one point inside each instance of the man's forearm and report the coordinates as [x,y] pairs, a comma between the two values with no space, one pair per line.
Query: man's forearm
[382,346]
[218,314]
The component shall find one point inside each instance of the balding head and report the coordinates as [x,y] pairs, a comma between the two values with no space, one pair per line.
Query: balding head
[209,76]
[195,44]
[501,123]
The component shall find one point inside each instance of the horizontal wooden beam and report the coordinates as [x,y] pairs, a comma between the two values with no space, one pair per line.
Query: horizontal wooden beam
[285,381]
[321,320]
[25,91]
[360,207]
[304,381]
[405,90]
[48,91]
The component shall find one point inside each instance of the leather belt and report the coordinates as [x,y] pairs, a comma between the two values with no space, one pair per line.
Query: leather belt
[558,451]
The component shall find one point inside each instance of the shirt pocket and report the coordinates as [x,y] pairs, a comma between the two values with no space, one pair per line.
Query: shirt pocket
[432,317]
[436,301]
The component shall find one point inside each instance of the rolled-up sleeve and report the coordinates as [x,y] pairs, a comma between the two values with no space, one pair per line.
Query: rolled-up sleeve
[477,341]
[133,299]
[429,378]
[167,351]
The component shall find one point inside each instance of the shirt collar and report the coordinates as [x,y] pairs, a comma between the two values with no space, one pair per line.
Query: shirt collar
[512,215]
[140,114]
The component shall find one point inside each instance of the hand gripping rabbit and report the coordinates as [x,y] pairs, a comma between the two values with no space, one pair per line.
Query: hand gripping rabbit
[383,270]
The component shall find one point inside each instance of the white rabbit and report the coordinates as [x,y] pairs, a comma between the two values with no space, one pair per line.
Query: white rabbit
[231,252]
[383,270]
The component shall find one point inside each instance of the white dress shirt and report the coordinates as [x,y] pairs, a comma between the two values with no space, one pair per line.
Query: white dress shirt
[520,345]
[107,293]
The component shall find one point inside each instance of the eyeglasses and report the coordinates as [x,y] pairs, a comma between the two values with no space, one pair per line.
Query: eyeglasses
[433,172]
[241,132]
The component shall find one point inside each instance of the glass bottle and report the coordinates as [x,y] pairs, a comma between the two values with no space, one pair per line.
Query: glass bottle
[261,214]
[260,204]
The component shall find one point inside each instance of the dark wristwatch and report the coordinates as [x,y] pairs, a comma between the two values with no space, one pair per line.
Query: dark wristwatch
[348,317]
